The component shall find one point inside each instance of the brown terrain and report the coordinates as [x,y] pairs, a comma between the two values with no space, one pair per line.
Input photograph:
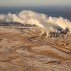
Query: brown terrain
[22,49]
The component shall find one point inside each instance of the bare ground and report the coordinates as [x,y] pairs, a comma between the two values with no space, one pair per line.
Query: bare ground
[21,49]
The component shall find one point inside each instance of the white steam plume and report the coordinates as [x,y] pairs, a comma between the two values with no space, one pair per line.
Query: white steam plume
[47,24]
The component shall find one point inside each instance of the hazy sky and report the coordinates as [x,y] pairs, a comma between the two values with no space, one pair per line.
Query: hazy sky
[35,2]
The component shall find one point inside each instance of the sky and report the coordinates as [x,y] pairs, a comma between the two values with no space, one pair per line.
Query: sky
[35,2]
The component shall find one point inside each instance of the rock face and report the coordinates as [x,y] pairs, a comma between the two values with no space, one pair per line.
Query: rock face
[21,49]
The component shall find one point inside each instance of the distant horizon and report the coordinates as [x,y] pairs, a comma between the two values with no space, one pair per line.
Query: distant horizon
[43,7]
[55,6]
[58,7]
[51,11]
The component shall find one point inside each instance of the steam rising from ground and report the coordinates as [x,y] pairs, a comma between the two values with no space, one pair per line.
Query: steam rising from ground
[46,23]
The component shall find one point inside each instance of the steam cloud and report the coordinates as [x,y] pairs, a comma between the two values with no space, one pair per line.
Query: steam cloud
[46,23]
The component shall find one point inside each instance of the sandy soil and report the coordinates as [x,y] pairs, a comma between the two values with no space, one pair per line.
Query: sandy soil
[22,49]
